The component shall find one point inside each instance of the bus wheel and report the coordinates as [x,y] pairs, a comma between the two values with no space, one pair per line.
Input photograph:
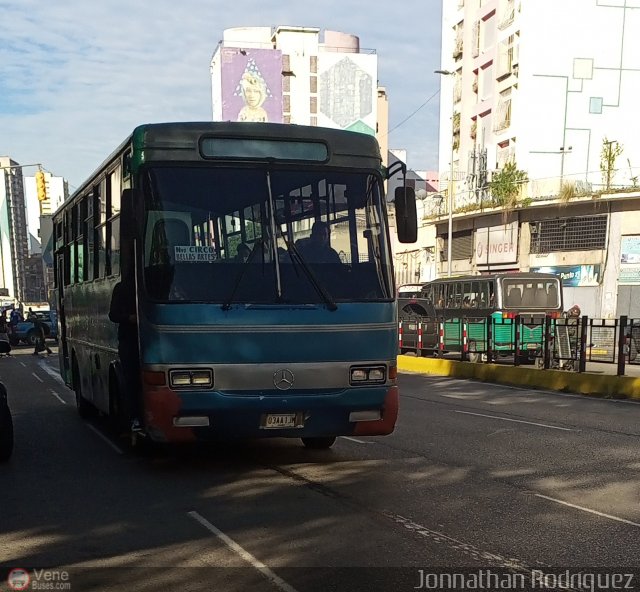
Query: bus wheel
[319,443]
[6,432]
[82,405]
[117,416]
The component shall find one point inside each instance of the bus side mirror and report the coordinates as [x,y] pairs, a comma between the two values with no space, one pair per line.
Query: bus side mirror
[406,216]
[130,213]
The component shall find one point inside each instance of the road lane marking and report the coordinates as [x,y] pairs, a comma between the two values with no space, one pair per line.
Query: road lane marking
[23,364]
[275,579]
[356,440]
[57,396]
[36,376]
[542,425]
[104,438]
[51,372]
[484,557]
[589,510]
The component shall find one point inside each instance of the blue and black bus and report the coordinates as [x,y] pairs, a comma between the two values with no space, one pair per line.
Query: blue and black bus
[273,344]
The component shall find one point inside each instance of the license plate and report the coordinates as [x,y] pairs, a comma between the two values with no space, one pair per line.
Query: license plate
[532,346]
[600,352]
[275,421]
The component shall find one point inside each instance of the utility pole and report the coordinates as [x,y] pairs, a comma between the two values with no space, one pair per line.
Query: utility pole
[450,186]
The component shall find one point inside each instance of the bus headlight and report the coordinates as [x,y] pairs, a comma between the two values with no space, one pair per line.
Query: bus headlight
[200,378]
[368,374]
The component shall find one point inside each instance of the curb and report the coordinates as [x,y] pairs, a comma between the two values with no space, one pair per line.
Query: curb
[613,387]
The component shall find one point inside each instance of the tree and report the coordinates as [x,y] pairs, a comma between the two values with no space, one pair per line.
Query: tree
[608,155]
[506,184]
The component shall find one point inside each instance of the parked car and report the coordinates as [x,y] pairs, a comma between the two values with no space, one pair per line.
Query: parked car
[25,332]
[6,426]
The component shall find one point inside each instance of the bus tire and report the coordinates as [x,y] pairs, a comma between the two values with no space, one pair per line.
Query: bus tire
[319,443]
[83,407]
[117,415]
[6,432]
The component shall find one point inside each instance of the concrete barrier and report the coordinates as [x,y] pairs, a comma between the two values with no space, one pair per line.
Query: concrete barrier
[614,387]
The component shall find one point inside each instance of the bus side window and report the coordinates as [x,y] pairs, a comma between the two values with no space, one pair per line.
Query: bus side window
[456,301]
[467,296]
[492,294]
[439,296]
[475,294]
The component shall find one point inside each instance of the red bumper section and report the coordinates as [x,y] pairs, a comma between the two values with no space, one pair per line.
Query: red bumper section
[161,405]
[386,424]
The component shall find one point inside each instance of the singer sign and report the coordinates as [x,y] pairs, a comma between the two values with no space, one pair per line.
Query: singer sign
[497,244]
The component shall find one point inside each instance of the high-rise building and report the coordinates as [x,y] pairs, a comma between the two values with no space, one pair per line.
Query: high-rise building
[543,83]
[39,276]
[57,190]
[14,246]
[296,75]
[551,87]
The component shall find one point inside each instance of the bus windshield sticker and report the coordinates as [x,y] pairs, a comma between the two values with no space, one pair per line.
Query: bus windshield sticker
[194,254]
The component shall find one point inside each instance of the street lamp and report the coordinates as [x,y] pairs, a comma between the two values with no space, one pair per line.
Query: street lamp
[450,184]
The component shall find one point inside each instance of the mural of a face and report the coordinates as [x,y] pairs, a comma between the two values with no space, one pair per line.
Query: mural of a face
[252,95]
[252,85]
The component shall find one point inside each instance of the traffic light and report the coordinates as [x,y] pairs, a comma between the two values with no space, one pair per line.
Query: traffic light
[41,186]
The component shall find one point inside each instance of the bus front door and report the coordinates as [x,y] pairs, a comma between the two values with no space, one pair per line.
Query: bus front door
[63,351]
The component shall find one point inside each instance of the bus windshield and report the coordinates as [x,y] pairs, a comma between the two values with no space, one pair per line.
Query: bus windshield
[252,236]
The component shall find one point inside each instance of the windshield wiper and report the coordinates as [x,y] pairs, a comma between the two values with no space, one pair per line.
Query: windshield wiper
[276,231]
[226,305]
[296,257]
[271,245]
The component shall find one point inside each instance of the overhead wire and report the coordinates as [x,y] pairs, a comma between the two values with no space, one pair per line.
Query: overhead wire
[412,114]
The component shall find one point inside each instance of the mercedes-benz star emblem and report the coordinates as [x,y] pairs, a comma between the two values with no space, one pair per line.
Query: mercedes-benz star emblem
[283,379]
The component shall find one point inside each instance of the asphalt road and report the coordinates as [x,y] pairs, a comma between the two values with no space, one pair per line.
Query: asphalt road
[475,477]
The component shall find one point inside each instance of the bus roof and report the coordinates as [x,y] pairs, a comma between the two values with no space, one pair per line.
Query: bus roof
[491,276]
[180,141]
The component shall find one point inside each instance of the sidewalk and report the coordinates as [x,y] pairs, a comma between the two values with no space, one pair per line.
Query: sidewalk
[599,380]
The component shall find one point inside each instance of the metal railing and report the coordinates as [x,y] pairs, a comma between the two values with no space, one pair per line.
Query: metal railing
[558,343]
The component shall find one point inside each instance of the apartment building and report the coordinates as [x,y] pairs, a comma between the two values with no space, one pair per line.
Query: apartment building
[39,272]
[57,190]
[298,75]
[550,87]
[542,83]
[14,246]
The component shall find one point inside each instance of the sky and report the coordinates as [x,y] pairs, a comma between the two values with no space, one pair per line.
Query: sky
[76,77]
